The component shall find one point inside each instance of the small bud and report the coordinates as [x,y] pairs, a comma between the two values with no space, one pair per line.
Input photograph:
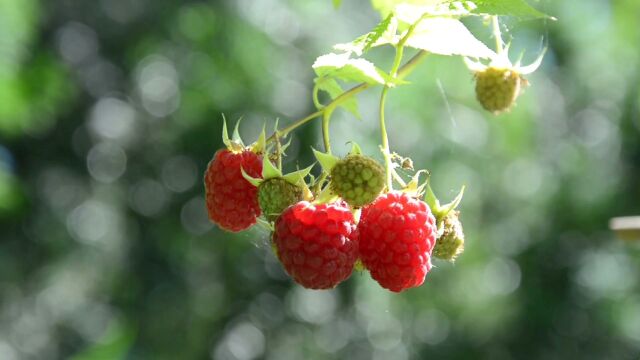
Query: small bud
[450,243]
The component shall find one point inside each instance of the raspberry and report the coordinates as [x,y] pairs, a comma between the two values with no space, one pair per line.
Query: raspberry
[358,179]
[397,235]
[497,89]
[451,243]
[317,244]
[275,195]
[232,201]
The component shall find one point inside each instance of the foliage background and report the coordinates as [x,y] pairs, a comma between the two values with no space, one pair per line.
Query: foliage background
[110,111]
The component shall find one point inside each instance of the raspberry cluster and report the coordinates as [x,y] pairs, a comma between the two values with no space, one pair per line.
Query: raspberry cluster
[322,227]
[358,213]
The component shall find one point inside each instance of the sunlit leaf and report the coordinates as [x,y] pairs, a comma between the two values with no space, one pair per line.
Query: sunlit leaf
[386,26]
[445,36]
[517,8]
[341,66]
[384,7]
[410,13]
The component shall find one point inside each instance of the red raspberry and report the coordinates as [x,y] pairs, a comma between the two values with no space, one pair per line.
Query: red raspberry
[397,235]
[317,244]
[232,201]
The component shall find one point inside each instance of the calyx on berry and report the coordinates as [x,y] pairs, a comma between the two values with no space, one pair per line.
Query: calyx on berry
[235,143]
[276,191]
[450,239]
[499,83]
[450,242]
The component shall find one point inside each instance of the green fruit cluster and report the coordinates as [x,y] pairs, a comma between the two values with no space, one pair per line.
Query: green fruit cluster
[497,89]
[275,195]
[357,179]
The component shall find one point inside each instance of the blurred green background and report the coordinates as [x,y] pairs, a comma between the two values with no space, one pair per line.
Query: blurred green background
[110,111]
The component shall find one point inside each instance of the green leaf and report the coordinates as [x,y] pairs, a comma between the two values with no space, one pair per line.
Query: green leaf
[383,33]
[410,13]
[385,7]
[517,8]
[340,66]
[334,90]
[388,26]
[446,36]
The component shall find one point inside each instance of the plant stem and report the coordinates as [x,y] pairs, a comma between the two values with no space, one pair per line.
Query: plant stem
[386,152]
[497,34]
[403,71]
[385,141]
[326,118]
[316,102]
[278,151]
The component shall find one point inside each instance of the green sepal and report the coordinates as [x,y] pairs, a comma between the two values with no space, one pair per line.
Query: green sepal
[359,266]
[259,146]
[269,171]
[284,147]
[327,161]
[236,132]
[444,210]
[297,177]
[414,185]
[525,70]
[225,131]
[254,181]
[231,144]
[326,196]
[431,199]
[355,149]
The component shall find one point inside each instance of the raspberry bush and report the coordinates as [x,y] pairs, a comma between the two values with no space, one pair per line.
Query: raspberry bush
[357,212]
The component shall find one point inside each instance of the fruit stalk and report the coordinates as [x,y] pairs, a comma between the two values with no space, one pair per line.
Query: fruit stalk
[383,97]
[403,71]
[326,118]
[497,34]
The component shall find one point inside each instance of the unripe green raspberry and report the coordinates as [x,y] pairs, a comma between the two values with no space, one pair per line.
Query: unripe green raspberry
[497,89]
[451,243]
[275,195]
[357,179]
